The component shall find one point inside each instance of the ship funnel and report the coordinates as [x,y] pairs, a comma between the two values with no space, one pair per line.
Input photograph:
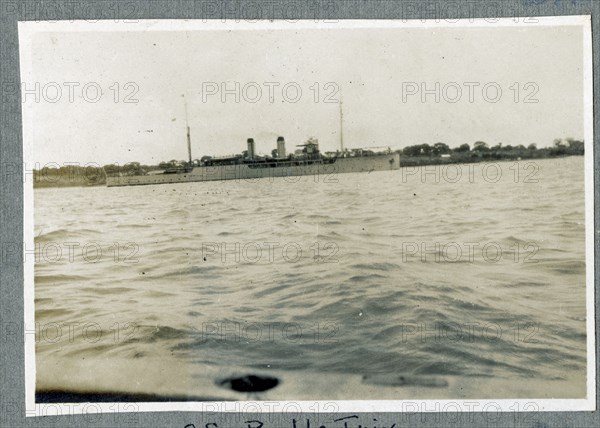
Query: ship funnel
[250,148]
[280,147]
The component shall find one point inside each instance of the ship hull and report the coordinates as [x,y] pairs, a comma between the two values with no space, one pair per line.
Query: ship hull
[321,171]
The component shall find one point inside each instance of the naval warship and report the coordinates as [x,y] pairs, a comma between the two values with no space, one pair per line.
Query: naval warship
[306,160]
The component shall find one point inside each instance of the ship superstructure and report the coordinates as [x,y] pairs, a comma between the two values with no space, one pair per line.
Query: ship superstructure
[307,159]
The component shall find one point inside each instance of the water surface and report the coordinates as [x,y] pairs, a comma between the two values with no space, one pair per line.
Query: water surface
[380,273]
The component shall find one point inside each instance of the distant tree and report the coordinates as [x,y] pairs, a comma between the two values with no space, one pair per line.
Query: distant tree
[419,150]
[440,149]
[497,147]
[426,149]
[520,147]
[558,142]
[532,146]
[463,148]
[412,150]
[111,168]
[132,168]
[480,146]
[575,146]
[559,148]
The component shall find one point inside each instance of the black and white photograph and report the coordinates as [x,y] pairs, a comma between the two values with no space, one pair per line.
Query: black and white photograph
[329,215]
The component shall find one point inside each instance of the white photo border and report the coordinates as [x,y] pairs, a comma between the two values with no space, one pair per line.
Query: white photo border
[26,31]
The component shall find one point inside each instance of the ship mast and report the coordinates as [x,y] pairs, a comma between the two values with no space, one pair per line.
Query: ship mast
[341,128]
[189,141]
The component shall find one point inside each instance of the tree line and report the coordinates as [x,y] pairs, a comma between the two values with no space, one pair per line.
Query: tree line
[560,147]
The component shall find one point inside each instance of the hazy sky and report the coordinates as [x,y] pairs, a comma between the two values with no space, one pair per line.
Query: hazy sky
[371,67]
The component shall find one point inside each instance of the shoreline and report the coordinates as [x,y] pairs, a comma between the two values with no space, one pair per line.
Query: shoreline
[74,176]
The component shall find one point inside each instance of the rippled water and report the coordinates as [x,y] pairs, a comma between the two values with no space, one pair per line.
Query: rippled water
[361,276]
